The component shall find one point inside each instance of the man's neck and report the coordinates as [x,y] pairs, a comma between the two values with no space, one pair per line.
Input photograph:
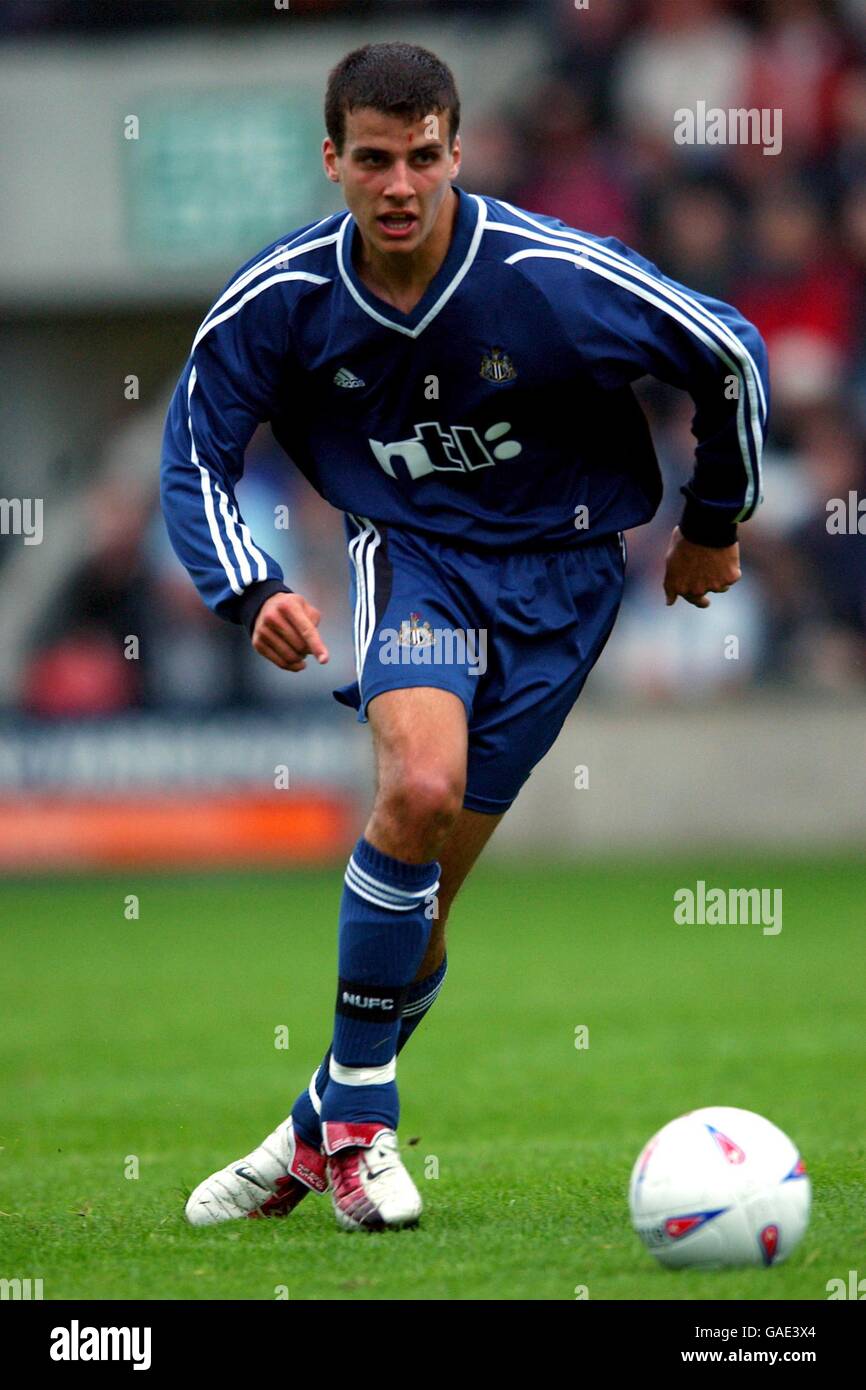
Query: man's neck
[402,280]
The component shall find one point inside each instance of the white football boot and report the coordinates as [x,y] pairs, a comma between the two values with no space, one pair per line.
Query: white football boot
[270,1181]
[370,1188]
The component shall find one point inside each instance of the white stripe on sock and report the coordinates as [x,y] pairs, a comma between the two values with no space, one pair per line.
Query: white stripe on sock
[363,1076]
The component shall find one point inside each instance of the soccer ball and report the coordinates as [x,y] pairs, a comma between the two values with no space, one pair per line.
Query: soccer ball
[717,1188]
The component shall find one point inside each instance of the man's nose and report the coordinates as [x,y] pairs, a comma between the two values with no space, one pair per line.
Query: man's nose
[399,184]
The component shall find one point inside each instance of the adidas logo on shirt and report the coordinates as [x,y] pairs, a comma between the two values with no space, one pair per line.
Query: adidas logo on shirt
[343,377]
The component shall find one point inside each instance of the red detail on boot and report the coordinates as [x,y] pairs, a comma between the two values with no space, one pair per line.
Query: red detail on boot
[308,1166]
[355,1135]
[348,1191]
[289,1192]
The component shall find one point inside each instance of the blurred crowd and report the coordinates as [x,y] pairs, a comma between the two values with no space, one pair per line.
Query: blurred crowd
[782,236]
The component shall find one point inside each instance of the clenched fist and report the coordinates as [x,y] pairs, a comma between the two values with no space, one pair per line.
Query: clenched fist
[286,630]
[693,571]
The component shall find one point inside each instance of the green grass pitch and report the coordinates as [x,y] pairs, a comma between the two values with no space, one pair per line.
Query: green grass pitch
[150,1044]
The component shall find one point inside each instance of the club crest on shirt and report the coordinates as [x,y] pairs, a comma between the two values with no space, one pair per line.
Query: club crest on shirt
[497,366]
[414,633]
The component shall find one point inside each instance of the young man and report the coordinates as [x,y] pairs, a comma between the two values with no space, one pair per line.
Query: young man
[453,373]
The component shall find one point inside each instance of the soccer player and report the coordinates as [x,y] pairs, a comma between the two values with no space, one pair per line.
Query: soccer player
[454,374]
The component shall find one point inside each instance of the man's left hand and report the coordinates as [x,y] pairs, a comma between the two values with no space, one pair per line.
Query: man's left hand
[693,571]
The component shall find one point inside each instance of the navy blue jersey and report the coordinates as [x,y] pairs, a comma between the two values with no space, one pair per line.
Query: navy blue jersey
[498,414]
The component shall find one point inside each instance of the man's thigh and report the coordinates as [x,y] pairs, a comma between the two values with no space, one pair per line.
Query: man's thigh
[420,740]
[416,731]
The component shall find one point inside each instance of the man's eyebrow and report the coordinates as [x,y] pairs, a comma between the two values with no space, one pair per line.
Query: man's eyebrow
[361,150]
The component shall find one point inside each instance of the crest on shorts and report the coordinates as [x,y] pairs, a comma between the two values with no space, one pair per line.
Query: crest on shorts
[497,366]
[414,633]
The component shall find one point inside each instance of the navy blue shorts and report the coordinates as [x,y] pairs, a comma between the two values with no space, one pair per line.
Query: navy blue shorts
[513,635]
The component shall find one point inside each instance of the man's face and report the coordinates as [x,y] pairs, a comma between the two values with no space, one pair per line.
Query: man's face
[395,175]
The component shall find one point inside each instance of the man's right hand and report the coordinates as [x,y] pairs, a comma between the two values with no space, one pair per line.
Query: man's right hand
[285,632]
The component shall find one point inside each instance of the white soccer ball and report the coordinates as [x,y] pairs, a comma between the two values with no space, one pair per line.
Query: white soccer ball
[717,1188]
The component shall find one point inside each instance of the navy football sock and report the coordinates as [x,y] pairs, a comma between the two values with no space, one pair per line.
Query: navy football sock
[420,998]
[384,931]
[307,1107]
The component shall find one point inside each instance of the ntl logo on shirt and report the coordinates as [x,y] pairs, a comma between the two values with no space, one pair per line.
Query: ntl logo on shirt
[458,449]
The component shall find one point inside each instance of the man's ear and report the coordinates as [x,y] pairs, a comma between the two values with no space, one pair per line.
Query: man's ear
[455,157]
[328,153]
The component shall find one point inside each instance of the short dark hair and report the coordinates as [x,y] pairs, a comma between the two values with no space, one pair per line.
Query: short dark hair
[399,79]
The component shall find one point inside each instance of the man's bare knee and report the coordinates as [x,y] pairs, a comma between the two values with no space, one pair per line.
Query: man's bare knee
[420,738]
[422,804]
